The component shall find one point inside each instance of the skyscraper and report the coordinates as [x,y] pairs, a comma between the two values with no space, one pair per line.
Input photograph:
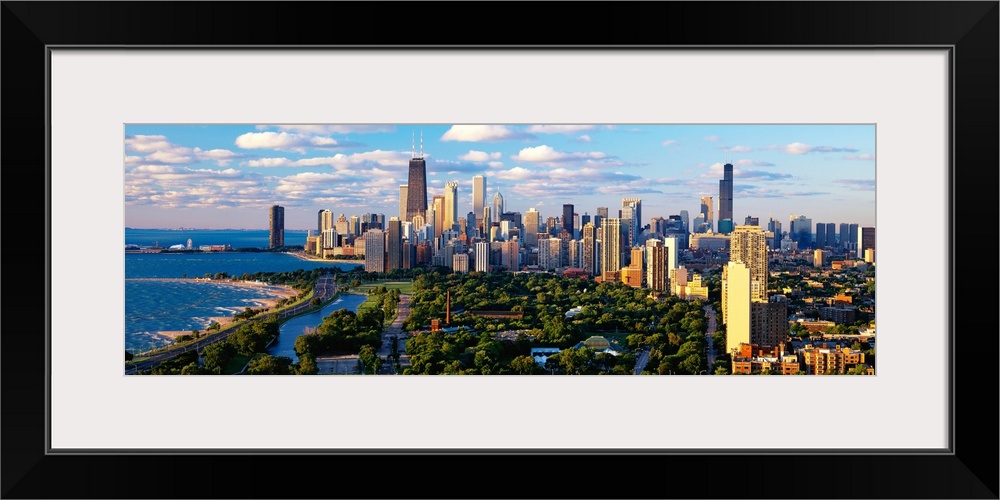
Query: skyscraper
[450,204]
[532,219]
[656,265]
[374,251]
[726,194]
[867,240]
[589,257]
[438,215]
[636,204]
[751,221]
[276,225]
[831,235]
[567,218]
[324,221]
[611,245]
[821,235]
[774,226]
[706,211]
[748,245]
[749,316]
[498,207]
[478,197]
[800,230]
[845,236]
[402,202]
[482,257]
[602,212]
[416,191]
[394,245]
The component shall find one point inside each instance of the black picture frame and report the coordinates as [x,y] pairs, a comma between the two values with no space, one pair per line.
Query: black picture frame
[970,28]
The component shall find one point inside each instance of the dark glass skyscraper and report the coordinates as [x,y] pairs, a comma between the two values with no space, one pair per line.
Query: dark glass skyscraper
[567,218]
[726,194]
[416,190]
[276,225]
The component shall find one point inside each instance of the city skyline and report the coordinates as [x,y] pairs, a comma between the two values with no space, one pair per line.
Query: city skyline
[225,176]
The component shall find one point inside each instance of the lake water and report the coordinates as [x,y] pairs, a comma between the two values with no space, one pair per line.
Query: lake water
[152,306]
[236,238]
[285,344]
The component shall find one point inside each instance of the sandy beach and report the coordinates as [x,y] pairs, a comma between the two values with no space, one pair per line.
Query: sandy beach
[314,258]
[277,292]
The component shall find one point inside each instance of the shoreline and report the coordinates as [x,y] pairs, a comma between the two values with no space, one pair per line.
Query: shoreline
[304,256]
[277,293]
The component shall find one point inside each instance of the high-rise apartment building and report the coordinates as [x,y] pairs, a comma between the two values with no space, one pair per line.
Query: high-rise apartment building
[450,204]
[403,190]
[416,191]
[394,244]
[482,256]
[478,197]
[867,240]
[656,265]
[324,221]
[706,212]
[589,254]
[831,235]
[636,204]
[375,251]
[726,194]
[532,219]
[820,235]
[747,244]
[276,224]
[611,245]
[438,215]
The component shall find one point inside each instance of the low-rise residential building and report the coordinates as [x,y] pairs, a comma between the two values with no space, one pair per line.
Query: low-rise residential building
[752,359]
[826,359]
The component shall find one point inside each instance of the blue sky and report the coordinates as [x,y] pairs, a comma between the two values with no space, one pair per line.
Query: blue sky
[226,176]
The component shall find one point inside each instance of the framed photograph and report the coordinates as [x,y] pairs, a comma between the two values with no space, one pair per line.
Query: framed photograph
[878,116]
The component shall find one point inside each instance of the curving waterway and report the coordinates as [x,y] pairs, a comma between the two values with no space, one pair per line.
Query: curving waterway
[285,343]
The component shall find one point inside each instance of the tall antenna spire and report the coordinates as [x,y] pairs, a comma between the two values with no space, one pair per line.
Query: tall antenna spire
[413,148]
[421,143]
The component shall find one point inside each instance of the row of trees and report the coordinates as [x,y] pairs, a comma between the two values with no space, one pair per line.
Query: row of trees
[343,331]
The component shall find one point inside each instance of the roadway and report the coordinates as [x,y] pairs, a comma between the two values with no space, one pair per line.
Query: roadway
[326,288]
[710,312]
[395,333]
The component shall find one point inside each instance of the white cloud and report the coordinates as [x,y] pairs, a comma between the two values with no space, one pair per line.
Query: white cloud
[545,153]
[285,140]
[496,155]
[515,174]
[334,129]
[340,161]
[558,129]
[752,163]
[737,149]
[711,138]
[482,133]
[473,155]
[147,143]
[584,138]
[669,142]
[220,156]
[496,164]
[797,148]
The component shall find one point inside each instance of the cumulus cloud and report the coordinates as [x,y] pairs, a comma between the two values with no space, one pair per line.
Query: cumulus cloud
[158,149]
[483,133]
[798,148]
[583,138]
[547,154]
[340,160]
[288,141]
[495,164]
[559,129]
[473,155]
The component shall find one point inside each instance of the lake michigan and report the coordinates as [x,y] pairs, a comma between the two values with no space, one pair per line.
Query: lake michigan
[152,306]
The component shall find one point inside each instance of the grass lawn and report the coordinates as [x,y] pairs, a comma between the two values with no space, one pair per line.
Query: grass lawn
[404,287]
